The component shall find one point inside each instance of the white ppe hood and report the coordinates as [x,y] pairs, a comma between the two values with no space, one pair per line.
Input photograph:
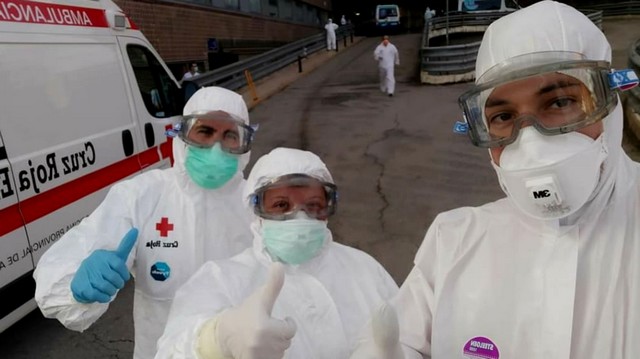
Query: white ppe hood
[558,27]
[212,99]
[285,161]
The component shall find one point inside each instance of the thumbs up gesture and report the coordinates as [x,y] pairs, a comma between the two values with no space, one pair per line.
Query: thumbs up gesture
[103,272]
[248,331]
[386,336]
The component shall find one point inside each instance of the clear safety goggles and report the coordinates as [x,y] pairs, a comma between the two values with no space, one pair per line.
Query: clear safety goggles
[204,130]
[283,197]
[555,95]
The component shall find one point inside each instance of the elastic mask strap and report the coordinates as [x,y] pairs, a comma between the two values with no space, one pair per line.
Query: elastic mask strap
[622,80]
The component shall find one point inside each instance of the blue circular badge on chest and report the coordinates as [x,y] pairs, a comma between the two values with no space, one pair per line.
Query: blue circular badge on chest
[160,271]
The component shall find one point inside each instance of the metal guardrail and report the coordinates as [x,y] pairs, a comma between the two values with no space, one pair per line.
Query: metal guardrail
[455,63]
[448,60]
[453,59]
[595,16]
[618,9]
[439,25]
[233,77]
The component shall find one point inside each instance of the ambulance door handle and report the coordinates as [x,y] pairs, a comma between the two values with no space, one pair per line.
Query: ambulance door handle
[149,135]
[127,143]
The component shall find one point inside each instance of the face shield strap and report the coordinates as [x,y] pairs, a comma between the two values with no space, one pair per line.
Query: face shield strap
[294,180]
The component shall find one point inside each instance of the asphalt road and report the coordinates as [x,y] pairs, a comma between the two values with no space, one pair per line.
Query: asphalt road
[396,162]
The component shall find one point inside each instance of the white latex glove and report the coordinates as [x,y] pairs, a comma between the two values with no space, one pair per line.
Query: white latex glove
[386,336]
[248,331]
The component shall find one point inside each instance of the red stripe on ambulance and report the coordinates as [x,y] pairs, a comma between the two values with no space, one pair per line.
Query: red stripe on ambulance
[132,24]
[50,201]
[51,14]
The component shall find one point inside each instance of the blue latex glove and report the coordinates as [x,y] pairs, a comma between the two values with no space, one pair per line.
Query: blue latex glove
[103,272]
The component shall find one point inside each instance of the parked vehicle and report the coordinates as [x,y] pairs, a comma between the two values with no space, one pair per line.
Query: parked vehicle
[85,101]
[387,17]
[486,5]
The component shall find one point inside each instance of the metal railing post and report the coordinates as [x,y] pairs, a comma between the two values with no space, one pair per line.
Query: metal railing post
[251,84]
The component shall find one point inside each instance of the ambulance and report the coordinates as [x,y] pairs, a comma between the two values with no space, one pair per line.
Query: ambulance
[84,103]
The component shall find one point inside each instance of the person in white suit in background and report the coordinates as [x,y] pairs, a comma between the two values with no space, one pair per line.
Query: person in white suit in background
[331,28]
[386,54]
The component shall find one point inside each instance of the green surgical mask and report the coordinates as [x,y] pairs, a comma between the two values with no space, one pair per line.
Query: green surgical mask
[211,167]
[293,241]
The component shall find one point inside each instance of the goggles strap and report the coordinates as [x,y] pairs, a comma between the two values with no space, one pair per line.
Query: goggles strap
[174,131]
[623,80]
[460,127]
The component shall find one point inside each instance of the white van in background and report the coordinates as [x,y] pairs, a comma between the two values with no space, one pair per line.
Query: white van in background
[387,17]
[487,5]
[84,103]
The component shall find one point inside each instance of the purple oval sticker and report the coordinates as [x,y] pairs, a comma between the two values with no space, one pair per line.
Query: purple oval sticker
[481,347]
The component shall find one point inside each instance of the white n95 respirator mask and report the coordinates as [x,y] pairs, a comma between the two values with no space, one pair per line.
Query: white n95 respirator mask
[550,177]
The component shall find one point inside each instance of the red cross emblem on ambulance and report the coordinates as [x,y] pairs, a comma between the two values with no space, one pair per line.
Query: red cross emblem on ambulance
[164,227]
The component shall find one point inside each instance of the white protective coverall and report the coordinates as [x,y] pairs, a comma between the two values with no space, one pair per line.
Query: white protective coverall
[387,57]
[330,297]
[428,14]
[180,224]
[536,289]
[331,34]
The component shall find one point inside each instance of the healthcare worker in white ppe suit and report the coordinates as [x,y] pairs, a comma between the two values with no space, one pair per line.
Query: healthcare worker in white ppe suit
[295,293]
[161,225]
[387,56]
[331,28]
[553,270]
